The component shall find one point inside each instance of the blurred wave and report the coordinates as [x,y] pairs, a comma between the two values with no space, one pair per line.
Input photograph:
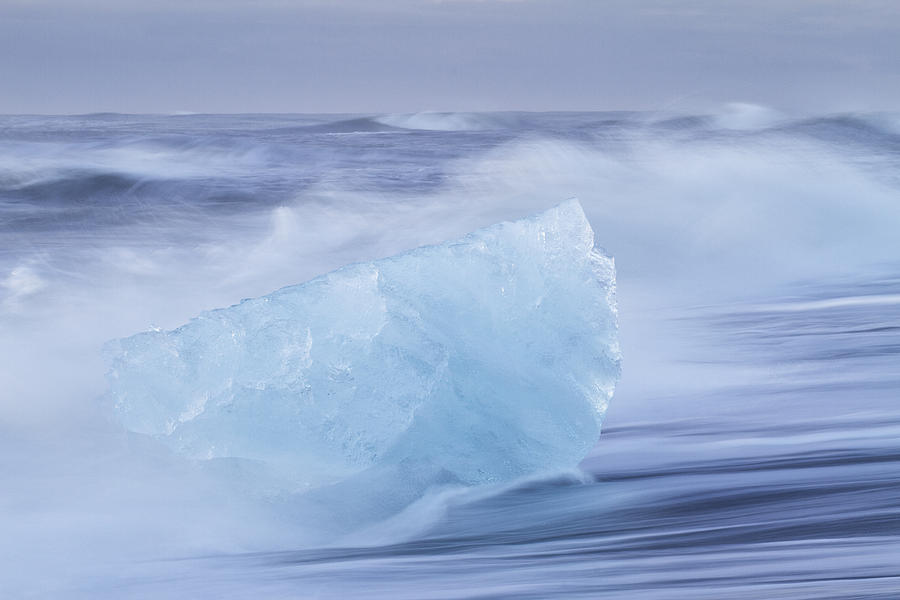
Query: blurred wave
[750,451]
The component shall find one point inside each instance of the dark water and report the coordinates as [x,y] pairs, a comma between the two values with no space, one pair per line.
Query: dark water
[753,446]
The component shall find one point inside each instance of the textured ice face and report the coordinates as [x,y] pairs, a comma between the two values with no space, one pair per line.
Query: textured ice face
[478,360]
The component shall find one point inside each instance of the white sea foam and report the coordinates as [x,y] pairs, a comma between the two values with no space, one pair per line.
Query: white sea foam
[437,121]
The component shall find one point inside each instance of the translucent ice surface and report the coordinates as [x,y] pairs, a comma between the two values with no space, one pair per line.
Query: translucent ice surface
[479,360]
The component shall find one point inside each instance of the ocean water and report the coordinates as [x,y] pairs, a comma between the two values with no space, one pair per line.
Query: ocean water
[751,450]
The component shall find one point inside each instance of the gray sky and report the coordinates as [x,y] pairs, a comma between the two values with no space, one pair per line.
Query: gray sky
[72,56]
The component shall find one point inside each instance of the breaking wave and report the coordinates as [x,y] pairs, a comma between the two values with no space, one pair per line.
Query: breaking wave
[753,425]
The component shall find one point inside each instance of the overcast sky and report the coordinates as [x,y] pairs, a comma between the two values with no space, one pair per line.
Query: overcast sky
[73,56]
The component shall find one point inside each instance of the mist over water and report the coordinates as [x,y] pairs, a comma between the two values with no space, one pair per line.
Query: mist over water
[751,446]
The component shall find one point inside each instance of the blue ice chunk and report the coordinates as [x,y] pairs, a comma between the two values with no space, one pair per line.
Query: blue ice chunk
[478,360]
